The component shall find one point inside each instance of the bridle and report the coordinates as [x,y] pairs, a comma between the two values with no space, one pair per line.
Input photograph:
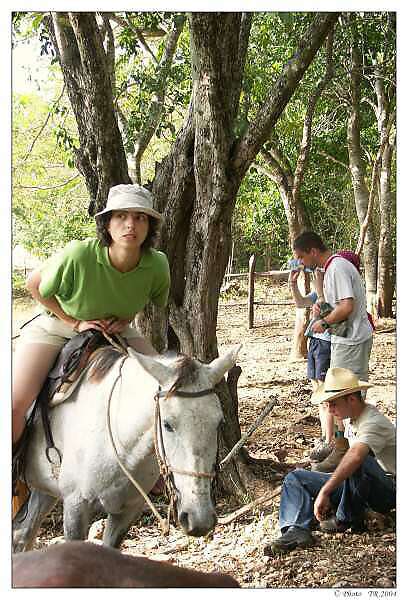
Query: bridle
[166,470]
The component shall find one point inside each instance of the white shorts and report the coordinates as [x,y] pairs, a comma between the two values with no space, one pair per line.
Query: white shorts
[47,329]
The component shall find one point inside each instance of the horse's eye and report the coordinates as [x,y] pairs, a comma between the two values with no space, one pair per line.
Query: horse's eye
[167,426]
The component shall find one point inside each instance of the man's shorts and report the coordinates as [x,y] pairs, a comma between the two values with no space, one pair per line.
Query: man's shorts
[47,329]
[318,358]
[355,358]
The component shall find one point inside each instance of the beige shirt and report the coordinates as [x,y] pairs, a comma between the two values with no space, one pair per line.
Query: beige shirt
[378,432]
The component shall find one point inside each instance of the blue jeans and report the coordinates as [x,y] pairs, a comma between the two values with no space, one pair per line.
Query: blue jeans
[369,486]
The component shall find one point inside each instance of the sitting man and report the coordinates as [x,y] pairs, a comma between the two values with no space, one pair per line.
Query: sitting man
[365,477]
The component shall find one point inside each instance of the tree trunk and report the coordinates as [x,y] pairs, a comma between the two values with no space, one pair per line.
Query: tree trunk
[386,129]
[386,271]
[357,170]
[85,67]
[195,188]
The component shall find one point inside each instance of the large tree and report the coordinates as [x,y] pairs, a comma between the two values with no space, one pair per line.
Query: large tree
[289,181]
[196,185]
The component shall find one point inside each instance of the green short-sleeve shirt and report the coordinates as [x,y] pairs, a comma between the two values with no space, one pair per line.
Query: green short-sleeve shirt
[87,286]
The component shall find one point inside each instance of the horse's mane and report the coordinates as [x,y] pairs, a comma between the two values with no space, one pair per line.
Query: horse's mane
[107,356]
[186,368]
[187,371]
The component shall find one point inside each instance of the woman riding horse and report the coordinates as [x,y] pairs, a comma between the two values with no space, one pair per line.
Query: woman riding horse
[92,284]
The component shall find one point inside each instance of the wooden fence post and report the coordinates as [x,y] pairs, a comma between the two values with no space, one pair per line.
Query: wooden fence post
[251,287]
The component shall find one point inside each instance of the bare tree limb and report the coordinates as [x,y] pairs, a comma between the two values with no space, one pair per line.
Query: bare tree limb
[332,158]
[264,499]
[44,125]
[276,151]
[260,128]
[281,177]
[307,124]
[138,32]
[250,431]
[52,187]
[374,182]
[110,48]
[245,29]
[156,106]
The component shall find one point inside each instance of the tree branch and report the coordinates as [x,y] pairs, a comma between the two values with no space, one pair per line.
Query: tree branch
[278,97]
[138,32]
[374,182]
[275,150]
[156,106]
[44,125]
[262,500]
[282,178]
[250,431]
[245,29]
[328,156]
[307,124]
[52,187]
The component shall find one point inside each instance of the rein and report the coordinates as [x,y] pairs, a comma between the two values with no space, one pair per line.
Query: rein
[166,470]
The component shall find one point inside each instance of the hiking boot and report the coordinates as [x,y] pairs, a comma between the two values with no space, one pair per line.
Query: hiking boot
[333,525]
[321,450]
[329,464]
[294,537]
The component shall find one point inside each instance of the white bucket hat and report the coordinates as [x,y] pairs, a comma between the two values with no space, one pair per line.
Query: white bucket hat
[130,197]
[338,382]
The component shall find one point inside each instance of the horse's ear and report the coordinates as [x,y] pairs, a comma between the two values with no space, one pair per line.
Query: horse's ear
[160,372]
[222,364]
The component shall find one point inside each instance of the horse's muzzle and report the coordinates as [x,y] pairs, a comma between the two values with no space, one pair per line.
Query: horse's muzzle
[195,527]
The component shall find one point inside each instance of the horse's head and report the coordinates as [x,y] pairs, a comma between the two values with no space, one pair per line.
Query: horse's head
[190,415]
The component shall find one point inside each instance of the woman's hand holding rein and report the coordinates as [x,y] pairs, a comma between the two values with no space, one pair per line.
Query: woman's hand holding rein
[105,325]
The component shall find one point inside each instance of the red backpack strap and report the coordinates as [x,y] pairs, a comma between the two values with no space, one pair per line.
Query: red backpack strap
[371,320]
[352,258]
[329,261]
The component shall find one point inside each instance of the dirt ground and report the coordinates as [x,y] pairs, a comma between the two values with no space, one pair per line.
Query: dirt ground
[348,560]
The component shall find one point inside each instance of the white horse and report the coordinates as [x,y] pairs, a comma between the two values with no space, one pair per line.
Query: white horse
[90,479]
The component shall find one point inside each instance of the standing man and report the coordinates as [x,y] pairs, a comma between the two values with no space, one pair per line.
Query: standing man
[344,290]
[365,477]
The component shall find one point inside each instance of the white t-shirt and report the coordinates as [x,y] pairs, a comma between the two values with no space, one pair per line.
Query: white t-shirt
[374,429]
[341,281]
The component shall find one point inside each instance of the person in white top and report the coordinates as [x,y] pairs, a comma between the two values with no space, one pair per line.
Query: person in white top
[318,358]
[364,478]
[343,289]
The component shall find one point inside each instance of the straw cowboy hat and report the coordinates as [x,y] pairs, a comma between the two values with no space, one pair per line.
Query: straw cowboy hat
[339,382]
[130,197]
